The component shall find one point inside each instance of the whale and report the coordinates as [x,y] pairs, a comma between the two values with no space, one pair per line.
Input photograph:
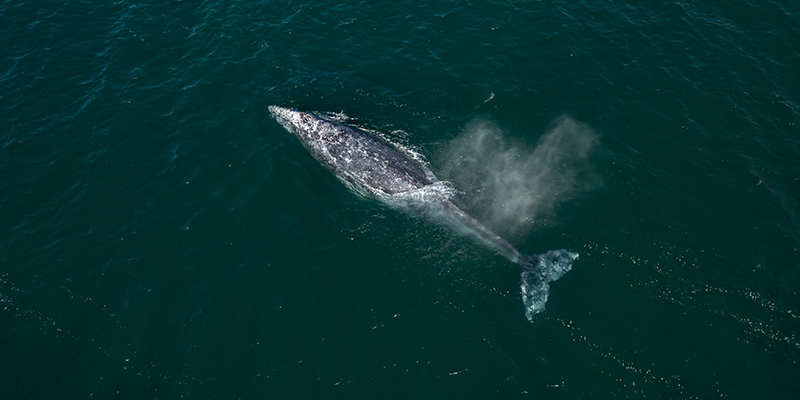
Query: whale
[379,169]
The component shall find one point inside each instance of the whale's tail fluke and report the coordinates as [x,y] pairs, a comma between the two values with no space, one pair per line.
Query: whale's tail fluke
[537,271]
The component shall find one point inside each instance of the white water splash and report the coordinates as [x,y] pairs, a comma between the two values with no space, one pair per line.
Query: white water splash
[512,184]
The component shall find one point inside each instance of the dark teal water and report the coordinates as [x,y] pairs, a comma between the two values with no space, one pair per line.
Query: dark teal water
[162,237]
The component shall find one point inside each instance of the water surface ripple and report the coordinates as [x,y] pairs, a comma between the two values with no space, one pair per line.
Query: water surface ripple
[161,236]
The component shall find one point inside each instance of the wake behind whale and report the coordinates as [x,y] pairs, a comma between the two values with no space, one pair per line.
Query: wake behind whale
[372,167]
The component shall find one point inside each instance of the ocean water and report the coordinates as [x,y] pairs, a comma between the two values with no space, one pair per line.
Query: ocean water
[162,237]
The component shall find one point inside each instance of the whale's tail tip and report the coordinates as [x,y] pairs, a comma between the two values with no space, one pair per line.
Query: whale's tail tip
[538,270]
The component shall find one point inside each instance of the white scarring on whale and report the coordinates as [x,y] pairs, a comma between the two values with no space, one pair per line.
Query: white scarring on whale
[373,167]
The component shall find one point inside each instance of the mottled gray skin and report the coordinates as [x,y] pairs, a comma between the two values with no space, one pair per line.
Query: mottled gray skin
[354,155]
[374,167]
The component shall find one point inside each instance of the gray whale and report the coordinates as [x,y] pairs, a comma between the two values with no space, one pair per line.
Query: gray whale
[373,167]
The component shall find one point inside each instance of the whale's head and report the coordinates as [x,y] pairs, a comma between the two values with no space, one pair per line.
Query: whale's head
[305,126]
[316,133]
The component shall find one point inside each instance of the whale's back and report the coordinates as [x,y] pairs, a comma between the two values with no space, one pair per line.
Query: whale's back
[354,155]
